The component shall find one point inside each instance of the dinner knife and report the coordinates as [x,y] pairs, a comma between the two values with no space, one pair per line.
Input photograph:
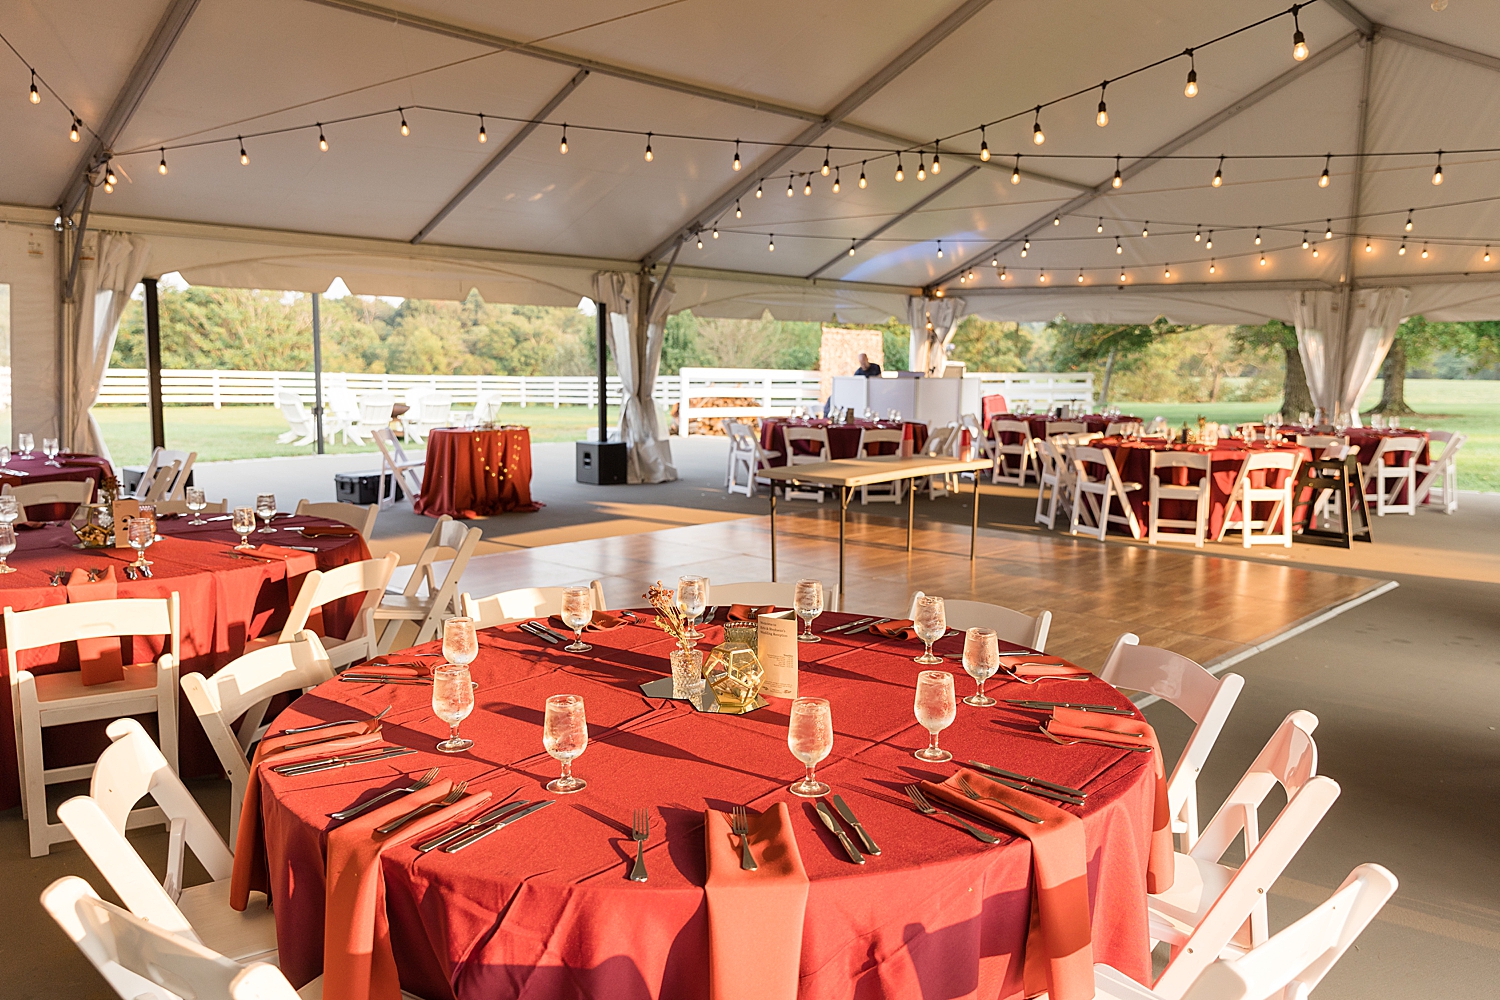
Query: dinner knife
[542,629]
[471,825]
[531,630]
[866,628]
[848,625]
[1039,782]
[1081,706]
[480,834]
[1046,793]
[826,815]
[382,679]
[848,814]
[292,770]
[336,722]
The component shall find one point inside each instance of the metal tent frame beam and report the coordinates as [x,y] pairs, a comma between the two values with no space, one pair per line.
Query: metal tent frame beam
[930,196]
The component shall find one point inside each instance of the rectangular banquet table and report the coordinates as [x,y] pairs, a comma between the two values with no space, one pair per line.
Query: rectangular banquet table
[544,908]
[843,439]
[225,600]
[476,473]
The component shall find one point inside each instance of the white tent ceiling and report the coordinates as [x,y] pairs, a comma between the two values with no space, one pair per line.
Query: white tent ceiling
[872,73]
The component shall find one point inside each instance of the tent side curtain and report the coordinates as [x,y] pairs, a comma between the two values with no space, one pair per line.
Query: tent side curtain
[637,327]
[1343,340]
[105,284]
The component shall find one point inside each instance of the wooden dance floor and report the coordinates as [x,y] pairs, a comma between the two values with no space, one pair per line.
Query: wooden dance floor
[1202,606]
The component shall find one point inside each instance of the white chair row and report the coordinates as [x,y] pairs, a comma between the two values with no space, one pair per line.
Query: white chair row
[357,416]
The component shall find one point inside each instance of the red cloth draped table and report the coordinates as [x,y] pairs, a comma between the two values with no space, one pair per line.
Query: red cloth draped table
[843,439]
[544,908]
[1133,459]
[225,601]
[1364,441]
[476,473]
[1095,422]
[71,467]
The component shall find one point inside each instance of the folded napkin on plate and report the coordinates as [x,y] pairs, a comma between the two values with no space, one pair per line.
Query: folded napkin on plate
[99,660]
[250,867]
[749,612]
[358,963]
[901,628]
[1059,943]
[601,622]
[757,913]
[328,531]
[1071,723]
[1039,665]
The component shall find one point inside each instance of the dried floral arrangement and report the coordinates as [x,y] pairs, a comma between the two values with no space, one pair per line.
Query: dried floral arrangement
[669,617]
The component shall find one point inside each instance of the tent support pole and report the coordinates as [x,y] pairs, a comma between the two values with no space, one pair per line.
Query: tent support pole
[317,370]
[601,313]
[153,365]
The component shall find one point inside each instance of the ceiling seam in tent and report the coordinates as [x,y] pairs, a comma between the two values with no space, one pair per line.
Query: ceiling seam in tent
[1367,69]
[1272,86]
[1439,47]
[511,145]
[857,243]
[1354,16]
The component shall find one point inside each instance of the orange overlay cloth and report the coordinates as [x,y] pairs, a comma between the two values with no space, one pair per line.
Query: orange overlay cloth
[99,659]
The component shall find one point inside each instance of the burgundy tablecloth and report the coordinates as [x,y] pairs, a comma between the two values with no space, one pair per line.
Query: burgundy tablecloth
[544,908]
[1095,422]
[476,473]
[72,467]
[225,602]
[843,439]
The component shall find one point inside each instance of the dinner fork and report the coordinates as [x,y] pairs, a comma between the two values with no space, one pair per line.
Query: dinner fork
[1085,739]
[640,832]
[739,825]
[969,790]
[427,807]
[416,786]
[919,800]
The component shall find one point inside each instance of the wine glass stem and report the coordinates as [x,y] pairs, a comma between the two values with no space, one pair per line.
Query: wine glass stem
[811,777]
[928,653]
[453,732]
[567,770]
[932,746]
[807,626]
[981,688]
[578,636]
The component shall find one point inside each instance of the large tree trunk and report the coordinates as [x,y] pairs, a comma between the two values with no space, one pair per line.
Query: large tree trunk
[1109,368]
[1295,397]
[1393,393]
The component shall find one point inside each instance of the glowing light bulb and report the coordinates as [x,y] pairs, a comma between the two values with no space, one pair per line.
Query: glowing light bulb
[1305,244]
[1328,233]
[109,188]
[1209,243]
[73,132]
[984,146]
[788,185]
[1198,235]
[406,129]
[716,230]
[1100,227]
[1424,251]
[649,155]
[1026,245]
[1003,275]
[1299,43]
[1211,267]
[807,187]
[1408,220]
[1015,173]
[922,169]
[1119,179]
[1037,136]
[940,249]
[484,136]
[322,139]
[1218,180]
[900,174]
[1315,251]
[1042,277]
[1118,248]
[1437,175]
[109,175]
[1101,118]
[1323,178]
[161,167]
[1167,271]
[1369,248]
[1080,277]
[937,160]
[1191,90]
[1145,229]
[739,213]
[827,151]
[1057,220]
[1122,276]
[700,241]
[1262,260]
[771,246]
[36,98]
[1025,252]
[1257,236]
[244,156]
[760,189]
[562,146]
[1486,255]
[1401,251]
[836,180]
[862,182]
[851,248]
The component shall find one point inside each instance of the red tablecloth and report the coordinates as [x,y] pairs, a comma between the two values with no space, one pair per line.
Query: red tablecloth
[544,908]
[843,439]
[476,473]
[1133,459]
[1095,422]
[1365,440]
[73,467]
[225,602]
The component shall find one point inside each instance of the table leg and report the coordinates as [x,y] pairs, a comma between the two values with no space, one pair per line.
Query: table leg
[773,532]
[844,494]
[911,510]
[974,529]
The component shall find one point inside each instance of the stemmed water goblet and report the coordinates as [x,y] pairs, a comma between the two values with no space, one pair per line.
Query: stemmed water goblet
[141,532]
[244,526]
[51,449]
[577,612]
[4,457]
[7,545]
[452,701]
[930,623]
[935,710]
[809,735]
[10,509]
[27,444]
[565,735]
[197,503]
[692,596]
[981,660]
[808,600]
[265,509]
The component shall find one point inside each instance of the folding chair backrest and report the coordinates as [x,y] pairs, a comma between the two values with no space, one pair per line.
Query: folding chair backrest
[451,540]
[815,434]
[1180,459]
[524,602]
[58,491]
[1397,446]
[876,435]
[1010,626]
[390,449]
[941,441]
[91,620]
[1122,427]
[368,577]
[741,438]
[159,468]
[999,426]
[1320,442]
[1271,460]
[1065,427]
[1084,456]
[361,519]
[1293,962]
[1452,441]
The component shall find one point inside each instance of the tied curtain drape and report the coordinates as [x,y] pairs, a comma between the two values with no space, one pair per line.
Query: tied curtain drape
[1342,354]
[637,327]
[933,323]
[104,287]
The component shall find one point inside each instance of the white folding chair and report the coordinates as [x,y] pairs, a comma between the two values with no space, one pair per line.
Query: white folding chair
[746,457]
[1066,427]
[1022,452]
[1010,626]
[1193,691]
[1054,473]
[1385,477]
[1196,494]
[891,492]
[395,468]
[449,540]
[58,491]
[300,427]
[1439,478]
[39,701]
[821,453]
[1244,495]
[760,593]
[982,443]
[242,690]
[369,577]
[1212,909]
[128,771]
[164,507]
[522,603]
[1108,488]
[943,442]
[161,481]
[361,519]
[1122,427]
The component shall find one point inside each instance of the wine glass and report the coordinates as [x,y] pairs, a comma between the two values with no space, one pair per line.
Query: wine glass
[26,443]
[7,545]
[10,509]
[148,511]
[452,700]
[809,735]
[460,643]
[931,624]
[51,450]
[244,526]
[577,612]
[981,660]
[808,599]
[935,710]
[4,457]
[692,595]
[265,509]
[141,533]
[197,503]
[565,735]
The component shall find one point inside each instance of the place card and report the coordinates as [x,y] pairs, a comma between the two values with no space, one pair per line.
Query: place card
[123,511]
[776,647]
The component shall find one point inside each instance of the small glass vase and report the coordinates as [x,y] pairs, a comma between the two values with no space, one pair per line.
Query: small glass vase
[687,674]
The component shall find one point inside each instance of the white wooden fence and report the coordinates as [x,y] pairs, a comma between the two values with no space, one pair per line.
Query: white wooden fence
[1043,390]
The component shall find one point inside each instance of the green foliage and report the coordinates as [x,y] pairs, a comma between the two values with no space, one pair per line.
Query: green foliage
[987,346]
[738,343]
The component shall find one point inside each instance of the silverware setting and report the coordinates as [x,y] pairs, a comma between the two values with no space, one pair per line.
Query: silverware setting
[1085,739]
[480,834]
[1080,705]
[826,815]
[843,807]
[544,630]
[914,792]
[1036,786]
[55,577]
[532,630]
[454,794]
[473,824]
[416,786]
[846,626]
[971,792]
[866,628]
[739,825]
[353,677]
[337,722]
[1084,678]
[221,517]
[640,832]
[348,760]
[708,615]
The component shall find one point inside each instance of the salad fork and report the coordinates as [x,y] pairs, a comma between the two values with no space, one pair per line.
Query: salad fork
[640,832]
[919,800]
[739,825]
[427,807]
[1085,739]
[971,792]
[416,786]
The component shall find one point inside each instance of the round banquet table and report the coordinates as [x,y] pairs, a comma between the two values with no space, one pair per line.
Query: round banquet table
[476,473]
[843,439]
[20,471]
[545,909]
[225,602]
[1096,423]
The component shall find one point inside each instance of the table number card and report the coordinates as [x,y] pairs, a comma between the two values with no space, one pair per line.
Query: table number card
[123,511]
[776,647]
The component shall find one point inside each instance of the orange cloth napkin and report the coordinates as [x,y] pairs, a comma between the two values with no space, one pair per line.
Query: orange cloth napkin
[358,963]
[749,612]
[396,663]
[901,628]
[1059,943]
[1038,665]
[1069,723]
[328,531]
[756,914]
[602,621]
[99,660]
[250,868]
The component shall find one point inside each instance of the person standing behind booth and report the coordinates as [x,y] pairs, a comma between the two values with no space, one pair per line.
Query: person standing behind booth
[867,368]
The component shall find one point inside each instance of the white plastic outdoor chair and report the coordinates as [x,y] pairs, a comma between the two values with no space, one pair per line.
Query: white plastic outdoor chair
[429,409]
[341,415]
[375,410]
[521,604]
[487,406]
[821,453]
[760,593]
[369,577]
[300,427]
[1439,479]
[1243,496]
[166,475]
[891,492]
[395,468]
[1211,909]
[39,701]
[1013,462]
[982,444]
[128,771]
[746,459]
[1385,478]
[242,690]
[1010,626]
[1196,494]
[449,540]
[1193,691]
[1108,489]
[943,442]
[361,519]
[1055,474]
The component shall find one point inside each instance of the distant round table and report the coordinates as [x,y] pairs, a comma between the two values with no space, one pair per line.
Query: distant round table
[843,439]
[476,473]
[22,470]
